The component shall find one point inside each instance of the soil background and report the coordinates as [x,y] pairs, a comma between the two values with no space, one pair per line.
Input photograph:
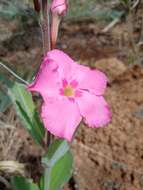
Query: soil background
[108,158]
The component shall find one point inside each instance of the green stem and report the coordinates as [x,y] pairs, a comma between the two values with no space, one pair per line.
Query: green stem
[47,178]
[13,73]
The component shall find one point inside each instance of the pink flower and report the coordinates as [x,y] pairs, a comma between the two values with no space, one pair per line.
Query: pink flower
[70,92]
[59,7]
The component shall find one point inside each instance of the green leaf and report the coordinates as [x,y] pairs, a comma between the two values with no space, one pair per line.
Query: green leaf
[61,172]
[4,80]
[21,183]
[41,183]
[4,101]
[56,150]
[26,110]
[58,165]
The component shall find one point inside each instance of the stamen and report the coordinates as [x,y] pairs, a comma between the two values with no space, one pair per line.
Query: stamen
[68,91]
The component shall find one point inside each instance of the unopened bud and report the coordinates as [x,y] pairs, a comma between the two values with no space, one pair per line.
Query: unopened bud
[59,7]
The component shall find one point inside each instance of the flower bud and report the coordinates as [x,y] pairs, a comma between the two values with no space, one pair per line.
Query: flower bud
[59,7]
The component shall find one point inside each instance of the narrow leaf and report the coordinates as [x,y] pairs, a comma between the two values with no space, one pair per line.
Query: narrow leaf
[4,101]
[21,183]
[61,172]
[58,164]
[26,110]
[56,150]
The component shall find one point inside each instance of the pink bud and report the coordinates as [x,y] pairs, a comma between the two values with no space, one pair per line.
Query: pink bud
[59,7]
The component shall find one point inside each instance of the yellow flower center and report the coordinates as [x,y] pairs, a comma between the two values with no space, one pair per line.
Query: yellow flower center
[68,91]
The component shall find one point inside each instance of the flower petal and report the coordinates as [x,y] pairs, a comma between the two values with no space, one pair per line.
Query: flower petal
[94,109]
[61,117]
[47,80]
[64,62]
[93,80]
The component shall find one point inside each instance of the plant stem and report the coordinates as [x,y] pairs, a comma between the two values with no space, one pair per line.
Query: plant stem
[130,28]
[36,5]
[46,38]
[45,26]
[47,175]
[13,73]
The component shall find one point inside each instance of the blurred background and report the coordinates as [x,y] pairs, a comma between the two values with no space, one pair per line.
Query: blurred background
[104,34]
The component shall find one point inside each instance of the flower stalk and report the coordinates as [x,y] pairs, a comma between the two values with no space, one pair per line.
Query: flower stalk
[36,5]
[45,25]
[46,39]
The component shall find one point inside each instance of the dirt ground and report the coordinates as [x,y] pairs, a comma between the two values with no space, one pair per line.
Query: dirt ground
[108,158]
